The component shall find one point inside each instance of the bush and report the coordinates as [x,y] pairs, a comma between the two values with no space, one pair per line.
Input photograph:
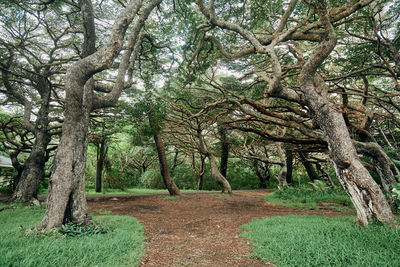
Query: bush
[151,179]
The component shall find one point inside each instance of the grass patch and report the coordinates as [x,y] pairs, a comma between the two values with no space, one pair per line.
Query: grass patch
[123,245]
[322,241]
[102,212]
[304,198]
[221,195]
[170,197]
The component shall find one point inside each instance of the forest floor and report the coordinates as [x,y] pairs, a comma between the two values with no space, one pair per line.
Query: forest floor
[197,229]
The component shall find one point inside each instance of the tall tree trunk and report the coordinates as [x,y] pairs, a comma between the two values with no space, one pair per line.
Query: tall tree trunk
[224,151]
[168,181]
[289,166]
[66,199]
[28,186]
[215,173]
[162,158]
[281,177]
[199,173]
[309,167]
[365,194]
[16,165]
[101,157]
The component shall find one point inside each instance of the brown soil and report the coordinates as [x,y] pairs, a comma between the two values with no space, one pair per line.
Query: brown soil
[197,229]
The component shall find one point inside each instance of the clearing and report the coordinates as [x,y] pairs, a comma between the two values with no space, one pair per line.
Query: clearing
[200,229]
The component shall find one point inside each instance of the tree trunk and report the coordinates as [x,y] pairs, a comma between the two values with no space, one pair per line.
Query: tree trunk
[66,200]
[289,166]
[365,194]
[309,167]
[162,158]
[101,156]
[168,181]
[217,175]
[281,177]
[28,186]
[385,167]
[16,165]
[224,151]
[200,172]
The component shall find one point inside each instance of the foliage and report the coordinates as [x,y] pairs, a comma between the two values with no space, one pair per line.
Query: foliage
[305,198]
[241,176]
[322,241]
[123,246]
[74,230]
[396,193]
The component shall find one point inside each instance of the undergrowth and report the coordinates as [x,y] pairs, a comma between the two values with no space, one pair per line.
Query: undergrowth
[122,245]
[321,241]
[306,198]
[170,197]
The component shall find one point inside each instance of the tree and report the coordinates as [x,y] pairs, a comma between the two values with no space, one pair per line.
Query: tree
[311,92]
[29,71]
[66,199]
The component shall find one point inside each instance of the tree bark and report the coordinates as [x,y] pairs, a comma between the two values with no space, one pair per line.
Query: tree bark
[162,158]
[309,167]
[101,157]
[289,166]
[365,194]
[218,177]
[66,199]
[385,167]
[224,151]
[168,181]
[215,173]
[199,173]
[28,185]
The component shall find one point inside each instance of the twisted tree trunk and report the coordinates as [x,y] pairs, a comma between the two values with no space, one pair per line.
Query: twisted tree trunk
[365,194]
[66,200]
[29,182]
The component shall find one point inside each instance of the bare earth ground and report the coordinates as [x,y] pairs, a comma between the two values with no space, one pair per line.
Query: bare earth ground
[197,229]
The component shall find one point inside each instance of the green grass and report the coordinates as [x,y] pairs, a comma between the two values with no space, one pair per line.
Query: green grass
[221,195]
[322,241]
[123,246]
[303,198]
[170,197]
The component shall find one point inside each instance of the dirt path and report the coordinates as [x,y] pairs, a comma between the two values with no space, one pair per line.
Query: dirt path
[198,229]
